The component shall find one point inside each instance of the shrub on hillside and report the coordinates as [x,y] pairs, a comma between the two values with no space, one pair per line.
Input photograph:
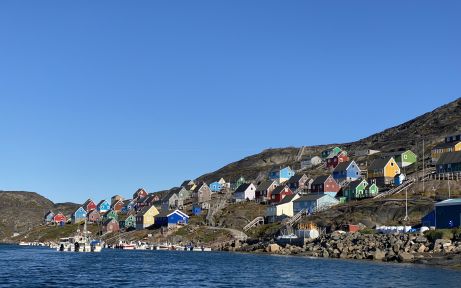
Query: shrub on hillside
[433,235]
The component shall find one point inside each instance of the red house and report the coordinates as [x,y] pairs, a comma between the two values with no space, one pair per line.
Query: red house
[325,184]
[335,160]
[279,193]
[140,193]
[94,216]
[111,225]
[89,205]
[117,206]
[59,218]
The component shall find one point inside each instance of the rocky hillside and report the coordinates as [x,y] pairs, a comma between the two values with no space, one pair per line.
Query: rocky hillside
[20,211]
[432,127]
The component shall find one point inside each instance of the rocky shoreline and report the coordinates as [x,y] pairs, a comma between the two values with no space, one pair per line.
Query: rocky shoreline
[397,248]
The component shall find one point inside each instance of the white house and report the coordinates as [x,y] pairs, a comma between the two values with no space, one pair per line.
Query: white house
[282,209]
[244,192]
[314,161]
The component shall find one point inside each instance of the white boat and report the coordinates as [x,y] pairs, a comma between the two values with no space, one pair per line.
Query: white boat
[79,243]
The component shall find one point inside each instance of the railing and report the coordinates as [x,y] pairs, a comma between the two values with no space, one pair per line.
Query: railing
[397,189]
[255,222]
[296,218]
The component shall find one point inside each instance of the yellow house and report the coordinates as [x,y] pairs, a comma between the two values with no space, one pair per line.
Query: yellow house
[445,147]
[383,170]
[282,209]
[146,217]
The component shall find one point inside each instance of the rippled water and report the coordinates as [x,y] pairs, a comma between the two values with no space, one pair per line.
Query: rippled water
[43,267]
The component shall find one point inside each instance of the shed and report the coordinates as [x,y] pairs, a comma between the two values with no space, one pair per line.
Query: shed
[448,214]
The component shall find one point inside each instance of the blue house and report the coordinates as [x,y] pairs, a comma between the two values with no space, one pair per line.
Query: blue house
[281,175]
[313,202]
[448,214]
[429,219]
[79,215]
[128,205]
[196,209]
[103,206]
[215,186]
[48,218]
[171,218]
[348,171]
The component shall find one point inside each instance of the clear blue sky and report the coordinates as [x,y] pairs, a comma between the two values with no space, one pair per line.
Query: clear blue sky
[102,97]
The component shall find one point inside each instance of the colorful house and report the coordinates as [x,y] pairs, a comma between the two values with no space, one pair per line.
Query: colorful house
[244,192]
[189,185]
[140,193]
[171,218]
[216,186]
[115,198]
[313,203]
[103,206]
[279,193]
[196,209]
[117,206]
[146,217]
[448,214]
[382,171]
[325,185]
[404,158]
[48,218]
[89,205]
[449,162]
[445,147]
[281,175]
[281,209]
[111,214]
[171,201]
[298,181]
[59,218]
[110,226]
[238,182]
[201,193]
[79,215]
[148,200]
[346,171]
[334,160]
[264,190]
[128,205]
[128,222]
[372,190]
[93,216]
[330,152]
[355,190]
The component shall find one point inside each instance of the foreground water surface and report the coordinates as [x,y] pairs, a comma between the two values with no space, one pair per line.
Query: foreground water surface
[43,267]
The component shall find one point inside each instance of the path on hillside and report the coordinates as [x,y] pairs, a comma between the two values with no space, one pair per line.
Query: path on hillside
[237,234]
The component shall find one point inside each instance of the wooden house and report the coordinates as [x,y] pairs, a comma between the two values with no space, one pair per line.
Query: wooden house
[444,147]
[171,218]
[216,186]
[264,190]
[279,193]
[183,193]
[48,218]
[78,215]
[59,218]
[115,198]
[93,216]
[111,214]
[346,171]
[201,193]
[331,152]
[382,171]
[282,209]
[312,203]
[355,190]
[281,175]
[171,201]
[298,181]
[89,205]
[189,185]
[140,193]
[244,192]
[241,180]
[117,206]
[148,200]
[447,214]
[110,226]
[128,205]
[325,185]
[334,160]
[449,162]
[103,206]
[403,157]
[146,217]
[128,222]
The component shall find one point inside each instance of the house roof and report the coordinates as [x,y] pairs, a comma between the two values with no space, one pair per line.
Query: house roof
[310,197]
[287,199]
[449,158]
[87,202]
[186,183]
[243,187]
[320,179]
[379,163]
[449,202]
[355,184]
[296,178]
[107,221]
[446,145]
[199,186]
[279,189]
[102,201]
[264,185]
[167,213]
[343,166]
[144,210]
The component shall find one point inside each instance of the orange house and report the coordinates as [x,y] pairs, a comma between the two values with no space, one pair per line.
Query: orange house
[382,171]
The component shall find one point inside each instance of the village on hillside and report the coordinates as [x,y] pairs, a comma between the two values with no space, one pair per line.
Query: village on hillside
[287,195]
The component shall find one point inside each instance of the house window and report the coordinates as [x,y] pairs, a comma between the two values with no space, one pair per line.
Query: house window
[405,157]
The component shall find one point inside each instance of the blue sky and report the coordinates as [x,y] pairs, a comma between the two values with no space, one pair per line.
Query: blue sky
[102,97]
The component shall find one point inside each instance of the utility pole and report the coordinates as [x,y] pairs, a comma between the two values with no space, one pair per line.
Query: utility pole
[406,204]
[424,166]
[449,190]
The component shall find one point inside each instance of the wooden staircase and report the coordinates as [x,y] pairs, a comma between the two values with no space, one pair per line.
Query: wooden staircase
[396,190]
[255,222]
[296,218]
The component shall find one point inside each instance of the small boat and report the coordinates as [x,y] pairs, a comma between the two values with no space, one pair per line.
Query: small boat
[79,243]
[24,243]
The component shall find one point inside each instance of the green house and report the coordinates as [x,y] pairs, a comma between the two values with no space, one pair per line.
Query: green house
[111,215]
[371,191]
[239,182]
[404,158]
[356,189]
[128,222]
[329,153]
